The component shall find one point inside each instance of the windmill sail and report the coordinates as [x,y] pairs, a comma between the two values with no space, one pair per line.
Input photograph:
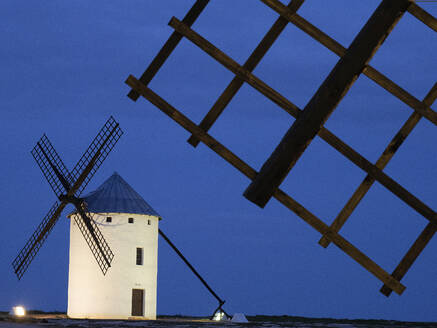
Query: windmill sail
[68,187]
[52,167]
[97,152]
[95,240]
[29,251]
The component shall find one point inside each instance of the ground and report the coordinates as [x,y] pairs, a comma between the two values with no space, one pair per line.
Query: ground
[60,320]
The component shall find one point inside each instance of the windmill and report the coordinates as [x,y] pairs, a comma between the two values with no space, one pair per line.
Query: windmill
[68,187]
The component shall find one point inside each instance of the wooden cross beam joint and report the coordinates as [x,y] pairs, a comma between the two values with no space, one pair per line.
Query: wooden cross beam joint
[250,64]
[383,160]
[369,71]
[169,46]
[293,110]
[325,100]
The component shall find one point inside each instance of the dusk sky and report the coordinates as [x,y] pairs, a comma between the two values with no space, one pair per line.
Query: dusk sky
[63,67]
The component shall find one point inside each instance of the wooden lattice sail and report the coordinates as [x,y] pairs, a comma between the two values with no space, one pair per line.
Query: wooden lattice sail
[68,187]
[353,62]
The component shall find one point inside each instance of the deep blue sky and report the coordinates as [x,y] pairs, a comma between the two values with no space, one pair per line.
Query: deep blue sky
[63,67]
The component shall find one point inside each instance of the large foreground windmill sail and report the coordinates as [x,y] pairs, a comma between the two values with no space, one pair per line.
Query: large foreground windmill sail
[68,187]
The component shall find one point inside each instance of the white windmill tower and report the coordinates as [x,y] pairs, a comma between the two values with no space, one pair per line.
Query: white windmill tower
[130,226]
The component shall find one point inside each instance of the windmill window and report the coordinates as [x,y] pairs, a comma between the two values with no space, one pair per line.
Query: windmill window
[139,256]
[148,222]
[130,220]
[108,219]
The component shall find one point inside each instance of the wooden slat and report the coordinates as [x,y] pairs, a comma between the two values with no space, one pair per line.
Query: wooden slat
[337,239]
[249,172]
[325,100]
[169,46]
[353,202]
[426,235]
[423,16]
[249,65]
[190,126]
[339,50]
[401,94]
[306,26]
[292,109]
[234,67]
[379,175]
[411,256]
[383,160]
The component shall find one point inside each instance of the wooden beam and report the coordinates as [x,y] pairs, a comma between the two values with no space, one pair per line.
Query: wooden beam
[234,67]
[292,109]
[168,47]
[425,236]
[401,94]
[380,176]
[411,256]
[339,50]
[190,126]
[249,172]
[325,100]
[423,16]
[337,239]
[306,26]
[383,160]
[376,173]
[249,65]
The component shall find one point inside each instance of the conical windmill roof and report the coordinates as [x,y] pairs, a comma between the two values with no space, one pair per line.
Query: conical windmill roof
[116,196]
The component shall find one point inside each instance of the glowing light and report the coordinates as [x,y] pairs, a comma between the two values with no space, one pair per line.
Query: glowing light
[218,316]
[19,311]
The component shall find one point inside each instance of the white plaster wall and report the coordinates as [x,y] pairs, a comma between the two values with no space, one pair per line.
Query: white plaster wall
[93,295]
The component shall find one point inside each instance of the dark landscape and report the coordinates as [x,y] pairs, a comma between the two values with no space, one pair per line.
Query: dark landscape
[58,319]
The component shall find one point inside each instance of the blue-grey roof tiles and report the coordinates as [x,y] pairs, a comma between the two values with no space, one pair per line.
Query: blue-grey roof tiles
[116,196]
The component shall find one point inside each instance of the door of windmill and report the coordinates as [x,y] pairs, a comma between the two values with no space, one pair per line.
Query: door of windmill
[138,302]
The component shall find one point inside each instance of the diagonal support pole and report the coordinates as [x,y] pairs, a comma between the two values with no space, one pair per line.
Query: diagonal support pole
[197,274]
[325,100]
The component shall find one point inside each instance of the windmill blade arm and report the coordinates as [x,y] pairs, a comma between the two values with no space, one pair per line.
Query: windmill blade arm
[52,166]
[94,238]
[94,156]
[29,251]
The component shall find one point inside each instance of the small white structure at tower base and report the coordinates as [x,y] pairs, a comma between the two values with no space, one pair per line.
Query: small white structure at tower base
[130,226]
[239,318]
